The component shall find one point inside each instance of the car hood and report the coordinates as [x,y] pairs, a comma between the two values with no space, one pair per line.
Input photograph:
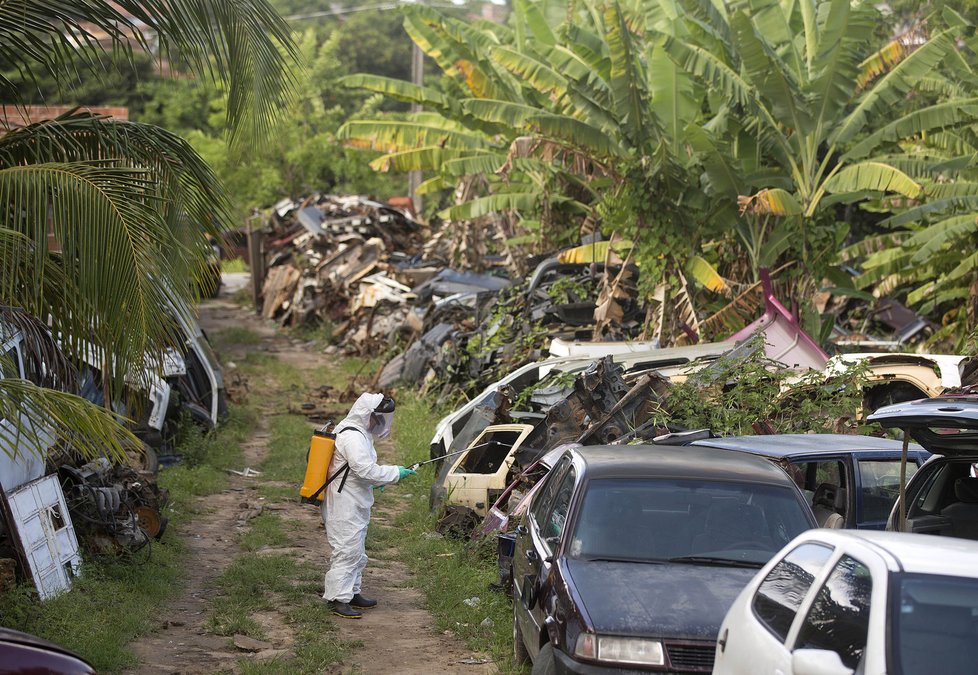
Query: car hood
[663,600]
[946,425]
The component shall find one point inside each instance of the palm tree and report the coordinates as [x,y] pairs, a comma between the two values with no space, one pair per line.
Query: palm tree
[102,219]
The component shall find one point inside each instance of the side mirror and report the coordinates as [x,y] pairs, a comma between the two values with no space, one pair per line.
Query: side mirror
[817,662]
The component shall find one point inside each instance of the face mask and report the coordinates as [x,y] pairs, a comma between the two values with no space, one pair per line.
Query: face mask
[380,424]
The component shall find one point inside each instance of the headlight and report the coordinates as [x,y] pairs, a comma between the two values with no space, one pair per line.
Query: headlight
[627,650]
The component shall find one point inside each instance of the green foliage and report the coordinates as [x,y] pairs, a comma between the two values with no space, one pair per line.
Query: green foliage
[111,604]
[733,395]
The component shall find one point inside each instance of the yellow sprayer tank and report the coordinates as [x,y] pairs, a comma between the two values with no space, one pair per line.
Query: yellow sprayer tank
[317,464]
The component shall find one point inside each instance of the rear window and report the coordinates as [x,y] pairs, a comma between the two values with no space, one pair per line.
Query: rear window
[656,519]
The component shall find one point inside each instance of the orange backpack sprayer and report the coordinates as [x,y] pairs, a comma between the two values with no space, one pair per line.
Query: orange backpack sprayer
[317,464]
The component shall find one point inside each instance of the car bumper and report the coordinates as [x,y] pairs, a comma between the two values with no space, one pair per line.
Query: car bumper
[565,664]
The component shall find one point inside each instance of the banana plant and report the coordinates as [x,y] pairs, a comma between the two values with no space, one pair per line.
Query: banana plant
[549,110]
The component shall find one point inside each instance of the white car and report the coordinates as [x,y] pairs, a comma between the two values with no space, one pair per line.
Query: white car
[834,602]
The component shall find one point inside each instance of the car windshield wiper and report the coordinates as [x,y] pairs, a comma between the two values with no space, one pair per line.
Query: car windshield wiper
[713,560]
[618,558]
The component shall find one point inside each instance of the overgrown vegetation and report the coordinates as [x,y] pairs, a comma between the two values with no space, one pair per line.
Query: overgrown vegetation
[116,601]
[736,396]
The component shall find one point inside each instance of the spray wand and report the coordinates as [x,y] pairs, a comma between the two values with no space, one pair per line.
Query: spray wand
[414,466]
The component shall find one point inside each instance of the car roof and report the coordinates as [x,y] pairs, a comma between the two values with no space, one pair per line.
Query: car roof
[787,445]
[916,553]
[616,461]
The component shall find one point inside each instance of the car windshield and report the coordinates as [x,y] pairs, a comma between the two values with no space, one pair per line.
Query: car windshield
[937,624]
[685,521]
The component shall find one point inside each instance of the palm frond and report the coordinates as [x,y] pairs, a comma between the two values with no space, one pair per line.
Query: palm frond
[117,262]
[243,43]
[36,417]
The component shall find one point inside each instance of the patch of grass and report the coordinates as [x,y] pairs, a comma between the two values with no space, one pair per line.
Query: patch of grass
[287,448]
[205,455]
[278,493]
[235,336]
[267,529]
[111,604]
[356,366]
[256,583]
[446,570]
[234,265]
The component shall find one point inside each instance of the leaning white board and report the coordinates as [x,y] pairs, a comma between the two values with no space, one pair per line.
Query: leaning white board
[46,534]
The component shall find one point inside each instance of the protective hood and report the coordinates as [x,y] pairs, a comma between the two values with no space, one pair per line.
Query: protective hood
[359,414]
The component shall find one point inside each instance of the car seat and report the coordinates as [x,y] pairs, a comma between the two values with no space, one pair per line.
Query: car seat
[963,514]
[826,502]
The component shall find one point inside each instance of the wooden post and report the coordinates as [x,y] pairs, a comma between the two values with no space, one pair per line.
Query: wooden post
[903,482]
[256,261]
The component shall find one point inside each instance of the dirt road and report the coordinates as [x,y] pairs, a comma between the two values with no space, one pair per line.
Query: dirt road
[396,637]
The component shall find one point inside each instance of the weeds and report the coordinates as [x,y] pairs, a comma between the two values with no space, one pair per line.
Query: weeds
[278,583]
[448,571]
[111,604]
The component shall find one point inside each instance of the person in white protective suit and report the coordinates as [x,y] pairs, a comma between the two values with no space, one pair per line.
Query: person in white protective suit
[346,506]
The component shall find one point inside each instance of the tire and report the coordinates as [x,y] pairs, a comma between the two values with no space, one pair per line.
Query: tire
[520,655]
[142,458]
[546,663]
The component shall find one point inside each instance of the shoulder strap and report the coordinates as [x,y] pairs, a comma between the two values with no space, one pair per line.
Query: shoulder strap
[345,470]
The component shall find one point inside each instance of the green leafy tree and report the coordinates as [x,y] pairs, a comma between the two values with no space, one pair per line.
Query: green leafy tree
[125,204]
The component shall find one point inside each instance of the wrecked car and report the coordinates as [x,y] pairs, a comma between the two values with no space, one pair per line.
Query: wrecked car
[671,362]
[629,556]
[898,377]
[475,478]
[201,388]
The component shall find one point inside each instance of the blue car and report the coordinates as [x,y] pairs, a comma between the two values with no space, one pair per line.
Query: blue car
[849,481]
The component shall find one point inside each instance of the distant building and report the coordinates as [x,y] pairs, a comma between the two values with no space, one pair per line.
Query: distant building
[17,116]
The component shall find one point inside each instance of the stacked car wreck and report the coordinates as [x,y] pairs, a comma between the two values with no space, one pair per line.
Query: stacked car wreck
[59,506]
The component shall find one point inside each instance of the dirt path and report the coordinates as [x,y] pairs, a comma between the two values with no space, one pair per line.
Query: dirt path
[397,636]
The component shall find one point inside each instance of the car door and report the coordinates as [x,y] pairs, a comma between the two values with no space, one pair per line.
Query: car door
[825,481]
[537,538]
[754,633]
[878,487]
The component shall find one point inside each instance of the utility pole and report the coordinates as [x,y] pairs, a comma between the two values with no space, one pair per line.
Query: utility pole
[417,77]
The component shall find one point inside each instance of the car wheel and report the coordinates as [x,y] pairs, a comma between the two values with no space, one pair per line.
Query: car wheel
[546,663]
[520,655]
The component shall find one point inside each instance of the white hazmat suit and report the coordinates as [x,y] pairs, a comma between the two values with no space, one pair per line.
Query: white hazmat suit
[346,513]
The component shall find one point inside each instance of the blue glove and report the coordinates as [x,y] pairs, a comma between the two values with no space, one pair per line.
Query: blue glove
[379,487]
[403,472]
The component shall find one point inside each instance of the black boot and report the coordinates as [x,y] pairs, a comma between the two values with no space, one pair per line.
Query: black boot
[362,602]
[344,610]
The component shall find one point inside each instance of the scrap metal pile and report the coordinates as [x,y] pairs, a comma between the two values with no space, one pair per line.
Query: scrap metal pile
[370,272]
[333,259]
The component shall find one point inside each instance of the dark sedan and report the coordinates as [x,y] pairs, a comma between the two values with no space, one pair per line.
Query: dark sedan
[629,556]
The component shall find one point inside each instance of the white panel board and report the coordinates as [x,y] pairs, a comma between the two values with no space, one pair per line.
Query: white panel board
[46,534]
